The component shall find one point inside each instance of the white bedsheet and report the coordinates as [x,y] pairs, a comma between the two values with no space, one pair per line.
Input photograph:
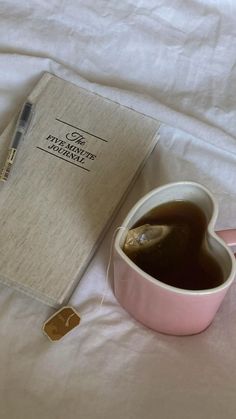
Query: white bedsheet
[175,61]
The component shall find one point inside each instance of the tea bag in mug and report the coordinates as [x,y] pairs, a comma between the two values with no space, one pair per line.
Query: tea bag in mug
[144,237]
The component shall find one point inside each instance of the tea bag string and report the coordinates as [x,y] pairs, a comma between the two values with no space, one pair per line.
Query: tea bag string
[162,231]
[104,294]
[51,328]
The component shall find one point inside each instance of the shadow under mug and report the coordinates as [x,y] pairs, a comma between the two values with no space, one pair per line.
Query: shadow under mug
[162,307]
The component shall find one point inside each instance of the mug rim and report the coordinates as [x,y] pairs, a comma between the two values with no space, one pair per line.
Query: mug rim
[210,230]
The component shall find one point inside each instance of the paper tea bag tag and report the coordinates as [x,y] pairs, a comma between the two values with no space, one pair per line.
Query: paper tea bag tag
[61,322]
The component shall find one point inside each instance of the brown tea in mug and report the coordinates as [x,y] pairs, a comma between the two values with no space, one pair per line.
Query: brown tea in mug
[179,259]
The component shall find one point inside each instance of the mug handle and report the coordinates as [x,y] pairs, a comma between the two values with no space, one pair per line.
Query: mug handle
[229,237]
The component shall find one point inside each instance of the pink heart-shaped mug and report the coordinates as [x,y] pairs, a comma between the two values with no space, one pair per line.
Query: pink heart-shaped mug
[157,305]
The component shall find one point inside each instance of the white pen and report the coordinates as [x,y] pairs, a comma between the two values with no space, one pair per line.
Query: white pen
[20,131]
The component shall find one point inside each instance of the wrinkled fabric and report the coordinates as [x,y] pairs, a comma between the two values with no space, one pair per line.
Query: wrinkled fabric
[174,61]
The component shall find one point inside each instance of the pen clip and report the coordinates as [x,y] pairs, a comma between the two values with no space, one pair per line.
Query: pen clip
[25,117]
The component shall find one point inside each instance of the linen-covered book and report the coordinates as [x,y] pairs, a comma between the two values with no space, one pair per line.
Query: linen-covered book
[79,157]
